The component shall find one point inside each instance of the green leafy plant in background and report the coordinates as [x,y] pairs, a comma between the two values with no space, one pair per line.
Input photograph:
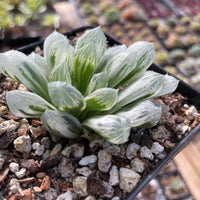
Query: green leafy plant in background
[81,86]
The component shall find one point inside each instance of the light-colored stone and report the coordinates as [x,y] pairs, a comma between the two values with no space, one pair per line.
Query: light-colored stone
[132,150]
[78,150]
[104,160]
[37,189]
[128,179]
[88,160]
[114,149]
[115,198]
[80,186]
[21,173]
[157,148]
[46,142]
[39,149]
[66,151]
[50,194]
[146,153]
[114,176]
[23,144]
[137,165]
[3,110]
[9,125]
[14,167]
[160,134]
[66,196]
[66,168]
[191,112]
[85,171]
[14,186]
[182,128]
[56,150]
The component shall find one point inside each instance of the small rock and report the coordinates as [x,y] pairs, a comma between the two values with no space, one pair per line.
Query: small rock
[15,186]
[157,148]
[46,155]
[35,145]
[21,173]
[146,153]
[131,150]
[80,186]
[123,148]
[38,131]
[41,175]
[9,125]
[66,196]
[85,171]
[46,142]
[114,149]
[23,144]
[50,194]
[98,187]
[56,150]
[27,195]
[66,151]
[3,110]
[169,145]
[39,149]
[66,168]
[88,160]
[115,198]
[14,167]
[160,134]
[182,128]
[114,176]
[78,150]
[128,179]
[37,189]
[137,165]
[90,197]
[2,161]
[104,160]
[46,183]
[29,164]
[191,112]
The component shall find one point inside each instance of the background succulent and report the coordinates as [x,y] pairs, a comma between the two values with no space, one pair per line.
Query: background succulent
[80,86]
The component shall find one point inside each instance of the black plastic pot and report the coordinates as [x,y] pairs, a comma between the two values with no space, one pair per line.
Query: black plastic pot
[186,90]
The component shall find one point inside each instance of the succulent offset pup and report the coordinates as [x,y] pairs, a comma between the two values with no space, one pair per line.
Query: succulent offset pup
[75,87]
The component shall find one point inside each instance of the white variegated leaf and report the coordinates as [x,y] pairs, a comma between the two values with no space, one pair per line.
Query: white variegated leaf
[61,73]
[114,128]
[142,89]
[65,97]
[101,99]
[95,36]
[144,114]
[26,104]
[169,86]
[97,81]
[61,123]
[57,50]
[19,67]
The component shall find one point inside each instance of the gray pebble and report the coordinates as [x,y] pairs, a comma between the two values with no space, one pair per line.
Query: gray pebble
[146,153]
[131,150]
[137,165]
[104,160]
[80,186]
[114,176]
[66,196]
[46,142]
[50,194]
[14,186]
[88,160]
[85,171]
[157,148]
[66,168]
[23,144]
[115,198]
[14,167]
[21,173]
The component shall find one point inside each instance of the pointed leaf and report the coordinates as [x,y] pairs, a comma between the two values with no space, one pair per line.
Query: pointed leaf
[41,63]
[57,50]
[65,97]
[61,73]
[169,86]
[144,114]
[114,128]
[61,123]
[97,81]
[101,99]
[20,68]
[142,89]
[95,36]
[26,104]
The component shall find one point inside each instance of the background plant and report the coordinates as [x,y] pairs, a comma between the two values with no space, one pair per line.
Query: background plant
[80,86]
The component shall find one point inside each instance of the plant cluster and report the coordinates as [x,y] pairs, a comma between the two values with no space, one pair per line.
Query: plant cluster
[81,86]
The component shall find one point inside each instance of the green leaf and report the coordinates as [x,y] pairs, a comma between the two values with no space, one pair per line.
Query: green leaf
[97,81]
[144,52]
[95,36]
[142,89]
[101,99]
[169,86]
[114,128]
[19,67]
[41,63]
[84,65]
[57,50]
[65,97]
[145,114]
[26,104]
[61,124]
[61,73]
[109,57]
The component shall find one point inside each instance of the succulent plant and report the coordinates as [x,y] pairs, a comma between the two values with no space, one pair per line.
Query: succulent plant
[80,86]
[180,29]
[153,23]
[185,19]
[190,39]
[161,57]
[194,50]
[172,21]
[163,29]
[87,7]
[112,14]
[93,19]
[173,41]
[195,26]
[177,54]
